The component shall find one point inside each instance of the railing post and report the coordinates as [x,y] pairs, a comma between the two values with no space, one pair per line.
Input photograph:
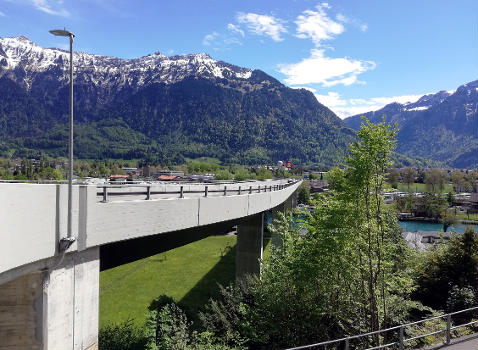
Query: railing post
[205,191]
[250,190]
[239,191]
[448,328]
[347,343]
[181,192]
[105,195]
[225,190]
[400,339]
[148,193]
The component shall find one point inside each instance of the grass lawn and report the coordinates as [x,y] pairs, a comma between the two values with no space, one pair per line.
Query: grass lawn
[189,274]
[465,216]
[422,188]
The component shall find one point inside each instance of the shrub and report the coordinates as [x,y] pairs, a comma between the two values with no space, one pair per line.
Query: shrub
[123,336]
[223,175]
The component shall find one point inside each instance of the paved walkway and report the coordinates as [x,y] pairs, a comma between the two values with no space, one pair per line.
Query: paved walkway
[469,342]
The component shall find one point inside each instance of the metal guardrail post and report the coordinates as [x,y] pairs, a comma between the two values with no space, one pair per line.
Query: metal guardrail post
[181,192]
[205,191]
[250,190]
[225,190]
[270,188]
[239,191]
[148,193]
[400,339]
[448,329]
[105,195]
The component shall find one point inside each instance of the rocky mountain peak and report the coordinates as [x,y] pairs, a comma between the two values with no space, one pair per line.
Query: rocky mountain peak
[20,53]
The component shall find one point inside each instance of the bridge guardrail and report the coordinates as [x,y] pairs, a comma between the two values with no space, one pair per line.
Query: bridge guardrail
[401,338]
[148,192]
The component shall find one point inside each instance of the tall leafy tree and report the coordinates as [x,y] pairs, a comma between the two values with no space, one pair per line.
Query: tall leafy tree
[351,263]
[408,175]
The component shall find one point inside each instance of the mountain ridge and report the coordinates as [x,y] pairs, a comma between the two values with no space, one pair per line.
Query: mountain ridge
[440,126]
[163,107]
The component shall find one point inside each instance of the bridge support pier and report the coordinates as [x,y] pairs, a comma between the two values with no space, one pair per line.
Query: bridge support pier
[288,205]
[56,308]
[249,246]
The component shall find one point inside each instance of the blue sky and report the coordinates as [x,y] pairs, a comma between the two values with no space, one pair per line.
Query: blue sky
[355,56]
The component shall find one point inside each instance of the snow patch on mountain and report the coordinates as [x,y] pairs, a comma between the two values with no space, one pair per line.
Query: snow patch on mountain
[20,53]
[421,108]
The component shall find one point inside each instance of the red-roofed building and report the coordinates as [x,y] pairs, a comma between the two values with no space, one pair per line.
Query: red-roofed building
[118,177]
[169,178]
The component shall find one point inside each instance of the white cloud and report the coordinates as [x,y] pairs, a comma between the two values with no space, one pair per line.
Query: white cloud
[342,18]
[210,38]
[263,25]
[323,70]
[363,27]
[2,14]
[347,107]
[316,25]
[235,29]
[220,41]
[52,7]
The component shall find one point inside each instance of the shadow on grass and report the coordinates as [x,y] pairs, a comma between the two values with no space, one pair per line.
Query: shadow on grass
[223,273]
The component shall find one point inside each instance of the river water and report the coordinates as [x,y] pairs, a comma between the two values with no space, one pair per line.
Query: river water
[412,226]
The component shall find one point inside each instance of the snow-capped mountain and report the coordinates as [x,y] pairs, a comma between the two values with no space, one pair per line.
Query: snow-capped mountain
[426,101]
[23,60]
[158,107]
[439,126]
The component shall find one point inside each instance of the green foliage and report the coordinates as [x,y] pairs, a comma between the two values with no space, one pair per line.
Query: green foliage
[449,268]
[201,167]
[303,195]
[435,180]
[228,316]
[242,174]
[448,219]
[224,175]
[392,177]
[263,174]
[123,336]
[167,327]
[348,274]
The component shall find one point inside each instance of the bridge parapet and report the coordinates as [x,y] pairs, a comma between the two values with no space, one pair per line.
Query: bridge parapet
[34,216]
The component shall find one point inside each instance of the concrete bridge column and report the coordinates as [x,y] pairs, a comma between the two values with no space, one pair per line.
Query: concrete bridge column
[53,309]
[286,206]
[249,245]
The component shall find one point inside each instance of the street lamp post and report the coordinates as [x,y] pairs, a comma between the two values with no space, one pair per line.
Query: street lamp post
[69,239]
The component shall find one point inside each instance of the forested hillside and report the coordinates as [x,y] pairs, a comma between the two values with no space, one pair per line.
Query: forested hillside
[159,108]
[441,126]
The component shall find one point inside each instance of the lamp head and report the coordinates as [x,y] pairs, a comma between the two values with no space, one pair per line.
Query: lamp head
[62,32]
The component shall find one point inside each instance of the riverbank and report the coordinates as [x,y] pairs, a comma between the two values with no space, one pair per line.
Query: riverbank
[438,221]
[432,225]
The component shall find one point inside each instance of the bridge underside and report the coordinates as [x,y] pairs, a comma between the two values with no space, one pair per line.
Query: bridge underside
[123,252]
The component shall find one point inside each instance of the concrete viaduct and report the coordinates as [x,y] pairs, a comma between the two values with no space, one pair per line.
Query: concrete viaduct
[49,299]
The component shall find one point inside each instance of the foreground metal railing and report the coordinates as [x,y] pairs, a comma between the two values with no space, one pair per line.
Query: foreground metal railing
[149,191]
[400,343]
